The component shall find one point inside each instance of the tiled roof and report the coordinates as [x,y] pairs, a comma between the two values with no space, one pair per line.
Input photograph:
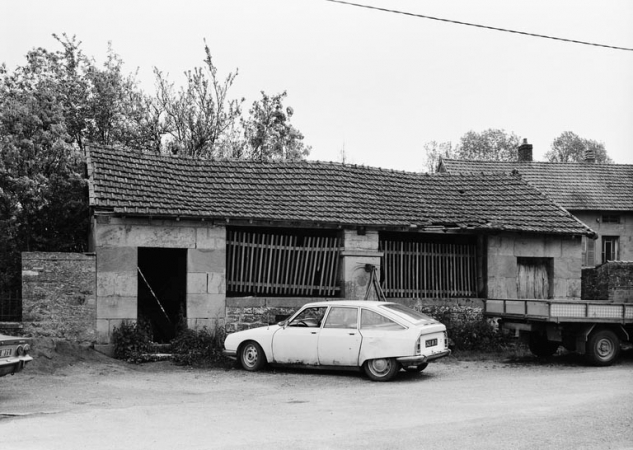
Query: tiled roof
[574,186]
[130,183]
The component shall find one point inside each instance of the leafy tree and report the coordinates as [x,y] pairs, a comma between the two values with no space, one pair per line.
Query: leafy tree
[42,198]
[569,147]
[269,133]
[434,150]
[199,117]
[489,145]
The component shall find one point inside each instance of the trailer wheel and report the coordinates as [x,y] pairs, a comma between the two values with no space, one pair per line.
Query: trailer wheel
[541,347]
[603,347]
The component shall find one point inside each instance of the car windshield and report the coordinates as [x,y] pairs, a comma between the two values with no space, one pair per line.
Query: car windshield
[407,313]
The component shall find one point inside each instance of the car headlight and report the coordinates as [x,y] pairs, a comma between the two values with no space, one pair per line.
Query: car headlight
[27,348]
[20,350]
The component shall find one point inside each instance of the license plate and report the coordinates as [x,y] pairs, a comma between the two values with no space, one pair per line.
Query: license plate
[430,342]
[6,352]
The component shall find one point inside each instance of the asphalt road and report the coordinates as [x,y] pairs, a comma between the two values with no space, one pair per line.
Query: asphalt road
[453,404]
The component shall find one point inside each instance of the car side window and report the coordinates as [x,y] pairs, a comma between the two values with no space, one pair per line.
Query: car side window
[371,320]
[309,317]
[342,318]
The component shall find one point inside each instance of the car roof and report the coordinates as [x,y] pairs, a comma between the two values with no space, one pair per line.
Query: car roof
[349,303]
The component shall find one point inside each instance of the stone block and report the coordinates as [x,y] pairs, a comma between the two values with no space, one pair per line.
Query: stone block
[567,267]
[211,238]
[117,307]
[553,247]
[507,245]
[205,306]
[574,289]
[206,260]
[216,283]
[572,248]
[529,246]
[117,259]
[123,284]
[145,236]
[197,283]
[560,288]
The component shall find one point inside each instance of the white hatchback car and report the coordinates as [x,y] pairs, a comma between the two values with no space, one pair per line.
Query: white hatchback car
[380,337]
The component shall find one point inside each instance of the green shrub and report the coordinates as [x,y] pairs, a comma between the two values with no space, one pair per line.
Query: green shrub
[468,328]
[133,342]
[198,347]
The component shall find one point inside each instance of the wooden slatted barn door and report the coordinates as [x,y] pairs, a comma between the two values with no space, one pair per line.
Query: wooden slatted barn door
[533,278]
[428,267]
[282,262]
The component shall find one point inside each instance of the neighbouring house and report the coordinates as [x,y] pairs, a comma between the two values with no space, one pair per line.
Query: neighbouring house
[599,195]
[240,243]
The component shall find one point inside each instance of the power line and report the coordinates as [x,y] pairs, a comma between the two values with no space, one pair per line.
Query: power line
[480,26]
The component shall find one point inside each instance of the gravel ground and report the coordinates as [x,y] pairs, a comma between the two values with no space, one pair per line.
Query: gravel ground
[76,399]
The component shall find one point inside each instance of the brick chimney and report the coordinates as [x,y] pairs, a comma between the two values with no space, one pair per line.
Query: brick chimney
[590,156]
[525,152]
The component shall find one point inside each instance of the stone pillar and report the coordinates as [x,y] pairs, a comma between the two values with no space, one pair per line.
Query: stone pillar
[358,251]
[117,289]
[206,279]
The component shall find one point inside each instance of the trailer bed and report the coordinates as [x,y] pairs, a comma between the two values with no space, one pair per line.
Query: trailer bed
[559,311]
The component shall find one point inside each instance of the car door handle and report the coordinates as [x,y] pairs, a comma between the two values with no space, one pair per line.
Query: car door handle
[352,334]
[313,332]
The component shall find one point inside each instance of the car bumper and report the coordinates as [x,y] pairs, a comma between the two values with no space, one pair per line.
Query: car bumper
[421,359]
[230,353]
[10,366]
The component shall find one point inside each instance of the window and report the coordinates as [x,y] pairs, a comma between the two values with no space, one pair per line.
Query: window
[588,252]
[371,320]
[610,218]
[610,248]
[342,318]
[310,317]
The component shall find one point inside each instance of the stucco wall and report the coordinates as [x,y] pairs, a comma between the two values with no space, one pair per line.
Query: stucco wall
[624,229]
[502,266]
[58,295]
[116,241]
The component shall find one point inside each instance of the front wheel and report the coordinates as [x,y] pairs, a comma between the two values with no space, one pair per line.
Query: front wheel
[603,348]
[381,369]
[252,357]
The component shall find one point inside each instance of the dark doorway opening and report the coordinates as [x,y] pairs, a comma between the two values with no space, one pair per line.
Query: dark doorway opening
[162,290]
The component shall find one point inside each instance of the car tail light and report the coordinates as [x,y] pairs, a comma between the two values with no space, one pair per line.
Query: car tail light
[445,340]
[418,347]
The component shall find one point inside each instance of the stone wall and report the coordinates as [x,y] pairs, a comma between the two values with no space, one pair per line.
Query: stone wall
[58,295]
[502,265]
[251,312]
[612,281]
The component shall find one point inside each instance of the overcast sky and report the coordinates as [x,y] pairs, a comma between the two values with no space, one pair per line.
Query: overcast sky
[380,85]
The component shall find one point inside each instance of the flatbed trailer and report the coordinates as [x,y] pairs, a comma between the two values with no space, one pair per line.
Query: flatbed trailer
[596,329]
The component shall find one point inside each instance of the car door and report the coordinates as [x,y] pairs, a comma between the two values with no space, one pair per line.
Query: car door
[339,340]
[296,343]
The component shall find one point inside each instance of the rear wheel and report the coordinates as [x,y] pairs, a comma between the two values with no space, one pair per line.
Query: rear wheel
[541,347]
[603,348]
[252,356]
[381,369]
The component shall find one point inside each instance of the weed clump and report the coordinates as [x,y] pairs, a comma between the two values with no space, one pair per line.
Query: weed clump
[133,342]
[469,329]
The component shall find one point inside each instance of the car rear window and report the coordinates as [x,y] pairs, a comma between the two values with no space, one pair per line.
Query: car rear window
[407,313]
